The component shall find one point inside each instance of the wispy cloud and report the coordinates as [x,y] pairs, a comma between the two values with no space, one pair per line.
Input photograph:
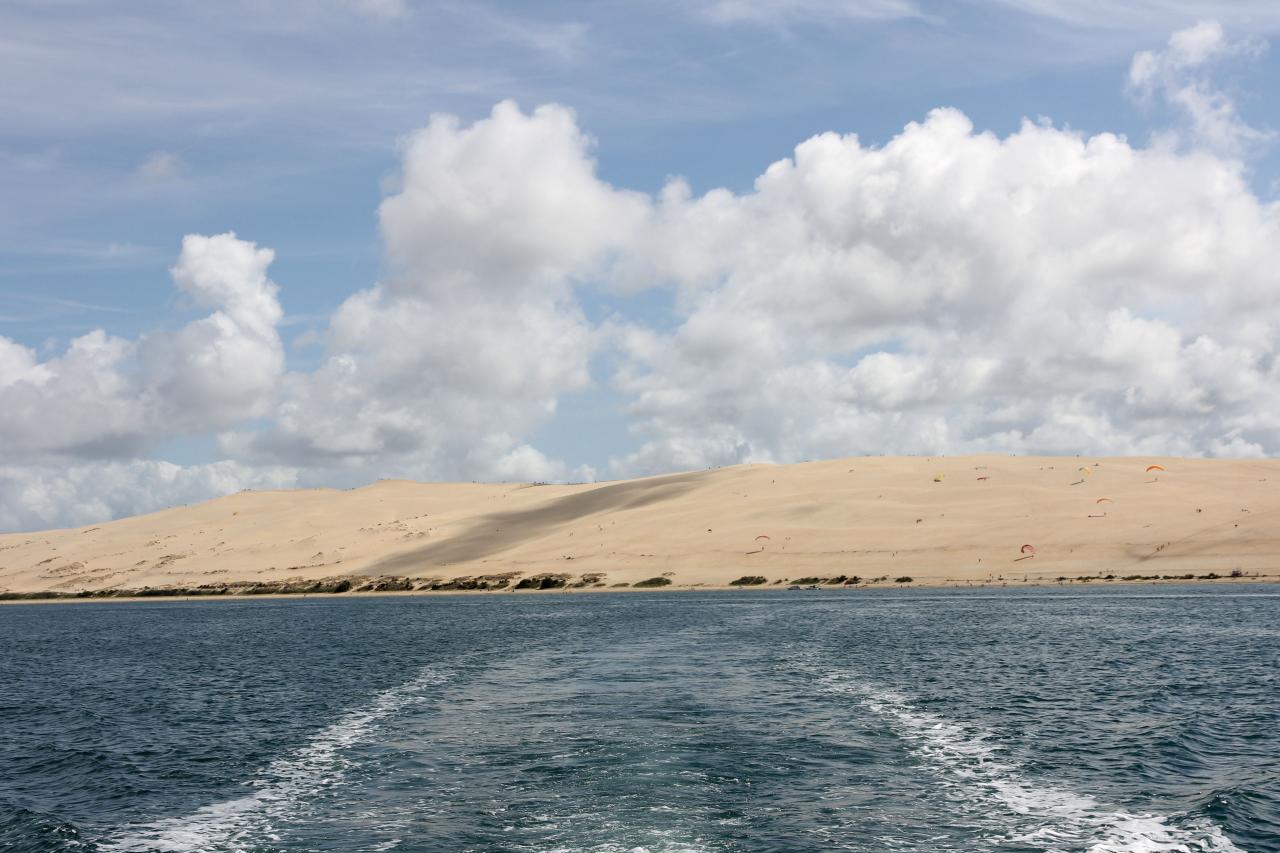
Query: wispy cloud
[1148,15]
[163,166]
[779,12]
[41,299]
[1180,76]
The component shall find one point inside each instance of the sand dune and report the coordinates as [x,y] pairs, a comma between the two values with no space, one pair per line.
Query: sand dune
[942,520]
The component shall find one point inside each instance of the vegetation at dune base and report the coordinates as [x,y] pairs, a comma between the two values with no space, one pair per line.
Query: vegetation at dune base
[505,581]
[547,581]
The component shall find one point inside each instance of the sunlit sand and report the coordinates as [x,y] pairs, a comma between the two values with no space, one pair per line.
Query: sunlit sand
[864,521]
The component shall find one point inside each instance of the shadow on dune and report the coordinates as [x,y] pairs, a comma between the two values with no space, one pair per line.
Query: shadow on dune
[501,531]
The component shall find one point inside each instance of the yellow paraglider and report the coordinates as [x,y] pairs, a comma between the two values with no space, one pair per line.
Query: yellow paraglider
[937,478]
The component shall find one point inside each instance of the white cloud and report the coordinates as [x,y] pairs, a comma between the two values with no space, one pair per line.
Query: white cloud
[949,291]
[1179,76]
[443,369]
[954,292]
[105,396]
[33,497]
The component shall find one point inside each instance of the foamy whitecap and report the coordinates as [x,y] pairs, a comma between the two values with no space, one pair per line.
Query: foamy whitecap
[283,786]
[1059,819]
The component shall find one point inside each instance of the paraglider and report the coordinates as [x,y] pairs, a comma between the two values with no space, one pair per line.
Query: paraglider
[1151,468]
[984,478]
[1029,550]
[937,478]
[761,536]
[1104,501]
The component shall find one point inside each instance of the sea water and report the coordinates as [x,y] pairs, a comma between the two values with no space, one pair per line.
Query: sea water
[1097,719]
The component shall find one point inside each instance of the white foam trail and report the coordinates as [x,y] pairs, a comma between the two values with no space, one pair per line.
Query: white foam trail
[284,786]
[1065,820]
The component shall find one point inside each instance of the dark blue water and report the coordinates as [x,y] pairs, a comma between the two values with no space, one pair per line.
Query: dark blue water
[1099,720]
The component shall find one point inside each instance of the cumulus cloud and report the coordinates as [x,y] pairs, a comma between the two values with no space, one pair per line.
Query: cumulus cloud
[105,396]
[35,497]
[948,291]
[1179,76]
[443,368]
[952,292]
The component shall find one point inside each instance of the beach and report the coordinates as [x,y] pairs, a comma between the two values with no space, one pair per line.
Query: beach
[857,522]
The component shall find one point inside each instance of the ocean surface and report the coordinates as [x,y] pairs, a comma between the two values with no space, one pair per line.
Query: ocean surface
[1099,719]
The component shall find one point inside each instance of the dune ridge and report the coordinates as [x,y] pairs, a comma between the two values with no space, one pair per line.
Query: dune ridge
[941,520]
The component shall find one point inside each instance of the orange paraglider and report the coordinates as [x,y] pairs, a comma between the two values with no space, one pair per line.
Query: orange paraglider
[1104,501]
[1151,468]
[984,478]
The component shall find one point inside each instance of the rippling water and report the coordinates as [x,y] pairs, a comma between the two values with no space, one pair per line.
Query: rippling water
[1099,720]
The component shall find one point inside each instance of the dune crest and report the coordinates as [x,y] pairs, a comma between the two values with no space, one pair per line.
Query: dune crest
[941,520]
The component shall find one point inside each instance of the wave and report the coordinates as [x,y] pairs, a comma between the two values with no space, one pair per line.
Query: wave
[1053,818]
[284,786]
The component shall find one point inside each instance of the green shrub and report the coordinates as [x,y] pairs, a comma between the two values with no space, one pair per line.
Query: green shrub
[651,582]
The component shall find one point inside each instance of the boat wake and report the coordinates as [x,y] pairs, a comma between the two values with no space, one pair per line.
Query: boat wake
[284,787]
[978,776]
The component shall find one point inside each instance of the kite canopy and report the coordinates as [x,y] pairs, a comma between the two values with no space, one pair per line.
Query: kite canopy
[1104,501]
[1029,549]
[1151,468]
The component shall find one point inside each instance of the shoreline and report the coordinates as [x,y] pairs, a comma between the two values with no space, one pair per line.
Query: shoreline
[924,584]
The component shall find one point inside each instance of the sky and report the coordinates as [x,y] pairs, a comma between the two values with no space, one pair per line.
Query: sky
[301,243]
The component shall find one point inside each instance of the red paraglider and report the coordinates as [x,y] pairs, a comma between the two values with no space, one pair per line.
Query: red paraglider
[1029,549]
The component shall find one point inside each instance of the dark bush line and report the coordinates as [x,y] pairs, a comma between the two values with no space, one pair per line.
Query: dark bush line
[1211,576]
[547,581]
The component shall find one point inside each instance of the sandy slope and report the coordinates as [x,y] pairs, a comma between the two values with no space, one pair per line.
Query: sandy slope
[870,517]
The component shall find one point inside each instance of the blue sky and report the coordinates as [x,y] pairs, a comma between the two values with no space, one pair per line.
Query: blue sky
[290,124]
